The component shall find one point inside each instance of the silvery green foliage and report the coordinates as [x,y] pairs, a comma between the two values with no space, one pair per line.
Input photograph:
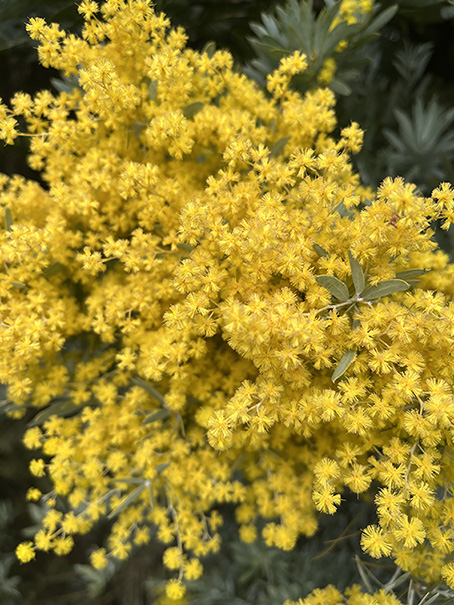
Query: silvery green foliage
[297,26]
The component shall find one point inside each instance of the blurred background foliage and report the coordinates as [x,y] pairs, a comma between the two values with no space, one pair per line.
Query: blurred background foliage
[395,79]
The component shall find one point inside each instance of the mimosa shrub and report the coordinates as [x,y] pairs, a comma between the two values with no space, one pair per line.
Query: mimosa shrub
[205,306]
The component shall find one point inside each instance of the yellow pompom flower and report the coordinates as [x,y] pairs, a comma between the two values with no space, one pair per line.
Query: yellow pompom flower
[410,531]
[193,569]
[374,542]
[175,590]
[447,573]
[33,494]
[25,552]
[32,438]
[37,467]
[99,559]
[172,558]
[248,533]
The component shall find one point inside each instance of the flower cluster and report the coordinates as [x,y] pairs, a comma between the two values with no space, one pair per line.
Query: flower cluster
[353,11]
[352,596]
[209,308]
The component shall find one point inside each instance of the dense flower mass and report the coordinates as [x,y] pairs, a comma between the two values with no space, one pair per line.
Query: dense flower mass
[352,596]
[205,306]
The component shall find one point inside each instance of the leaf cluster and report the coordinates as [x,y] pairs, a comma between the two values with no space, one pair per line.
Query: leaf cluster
[360,291]
[297,26]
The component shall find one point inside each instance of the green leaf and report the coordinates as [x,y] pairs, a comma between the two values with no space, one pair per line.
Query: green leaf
[153,90]
[343,364]
[192,109]
[128,500]
[340,87]
[343,211]
[7,406]
[355,324]
[209,49]
[398,581]
[327,46]
[385,288]
[185,247]
[364,577]
[162,467]
[131,480]
[54,269]
[8,219]
[65,83]
[357,273]
[279,146]
[95,579]
[150,493]
[63,408]
[335,286]
[150,389]
[320,251]
[411,273]
[324,31]
[158,415]
[381,20]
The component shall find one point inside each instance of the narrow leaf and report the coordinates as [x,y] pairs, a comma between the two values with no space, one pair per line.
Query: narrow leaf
[398,581]
[192,109]
[158,415]
[411,273]
[185,247]
[279,146]
[385,288]
[271,25]
[436,597]
[335,286]
[150,389]
[153,90]
[54,269]
[362,573]
[357,273]
[209,49]
[343,364]
[65,84]
[320,251]
[128,500]
[329,42]
[60,408]
[7,407]
[162,467]
[8,219]
[340,87]
[381,20]
[131,480]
